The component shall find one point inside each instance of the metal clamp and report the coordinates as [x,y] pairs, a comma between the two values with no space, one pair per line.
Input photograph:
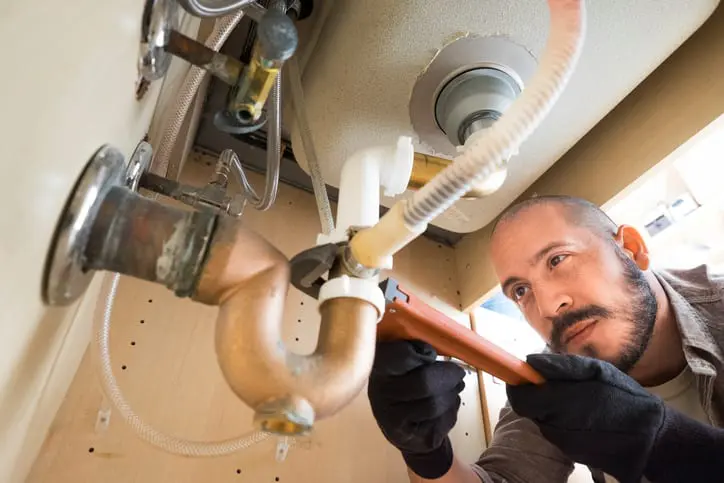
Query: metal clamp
[353,267]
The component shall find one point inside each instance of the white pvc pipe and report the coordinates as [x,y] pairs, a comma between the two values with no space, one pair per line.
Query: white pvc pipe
[359,190]
[363,174]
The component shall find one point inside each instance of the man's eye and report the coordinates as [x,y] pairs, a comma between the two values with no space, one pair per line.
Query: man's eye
[554,261]
[519,292]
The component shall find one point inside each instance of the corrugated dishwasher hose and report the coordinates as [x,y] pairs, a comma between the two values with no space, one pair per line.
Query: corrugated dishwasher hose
[487,154]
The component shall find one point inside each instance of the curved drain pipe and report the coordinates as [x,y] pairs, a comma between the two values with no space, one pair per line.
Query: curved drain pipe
[217,261]
[248,279]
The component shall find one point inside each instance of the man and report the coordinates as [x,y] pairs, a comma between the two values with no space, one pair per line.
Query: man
[613,327]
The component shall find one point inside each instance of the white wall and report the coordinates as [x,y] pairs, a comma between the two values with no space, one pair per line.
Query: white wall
[695,169]
[68,87]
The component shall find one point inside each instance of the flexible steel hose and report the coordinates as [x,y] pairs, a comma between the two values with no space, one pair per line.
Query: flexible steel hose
[300,111]
[146,432]
[186,95]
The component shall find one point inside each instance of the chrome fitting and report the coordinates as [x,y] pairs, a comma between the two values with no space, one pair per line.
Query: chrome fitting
[351,266]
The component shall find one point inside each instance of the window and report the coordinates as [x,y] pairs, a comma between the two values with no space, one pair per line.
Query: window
[679,205]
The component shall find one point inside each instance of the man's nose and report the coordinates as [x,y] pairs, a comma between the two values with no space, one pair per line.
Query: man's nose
[552,300]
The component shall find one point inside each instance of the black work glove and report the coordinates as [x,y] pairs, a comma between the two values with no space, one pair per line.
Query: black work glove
[415,401]
[599,416]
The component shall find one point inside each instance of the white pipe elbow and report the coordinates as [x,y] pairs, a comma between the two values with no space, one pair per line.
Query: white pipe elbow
[363,174]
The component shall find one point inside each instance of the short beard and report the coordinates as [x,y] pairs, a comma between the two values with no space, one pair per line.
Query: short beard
[641,316]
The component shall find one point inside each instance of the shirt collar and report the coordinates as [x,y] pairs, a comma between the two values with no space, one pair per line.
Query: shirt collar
[684,289]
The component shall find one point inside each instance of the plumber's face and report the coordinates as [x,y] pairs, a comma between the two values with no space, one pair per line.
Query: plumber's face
[579,291]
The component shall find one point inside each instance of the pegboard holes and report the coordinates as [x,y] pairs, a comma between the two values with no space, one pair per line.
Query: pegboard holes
[91,449]
[299,321]
[124,367]
[466,434]
[297,339]
[238,471]
[463,403]
[133,342]
[289,203]
[276,478]
[142,321]
[301,303]
[150,301]
[457,292]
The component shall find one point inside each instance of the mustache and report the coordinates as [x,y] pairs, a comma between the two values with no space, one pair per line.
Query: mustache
[571,318]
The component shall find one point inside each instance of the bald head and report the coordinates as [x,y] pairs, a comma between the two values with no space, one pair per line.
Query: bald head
[576,211]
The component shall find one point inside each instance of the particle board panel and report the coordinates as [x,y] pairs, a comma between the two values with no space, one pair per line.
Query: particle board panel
[162,352]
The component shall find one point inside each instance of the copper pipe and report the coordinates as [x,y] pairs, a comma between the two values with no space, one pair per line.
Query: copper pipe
[219,262]
[226,68]
[248,278]
[142,238]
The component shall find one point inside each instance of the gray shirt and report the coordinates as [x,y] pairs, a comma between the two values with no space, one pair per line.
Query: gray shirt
[520,454]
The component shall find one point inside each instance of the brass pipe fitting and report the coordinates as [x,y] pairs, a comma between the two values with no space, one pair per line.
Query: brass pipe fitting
[425,167]
[276,42]
[248,279]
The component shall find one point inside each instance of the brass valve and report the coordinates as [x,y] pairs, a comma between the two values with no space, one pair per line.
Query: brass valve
[276,42]
[251,84]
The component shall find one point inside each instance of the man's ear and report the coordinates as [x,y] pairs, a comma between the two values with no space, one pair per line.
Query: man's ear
[633,244]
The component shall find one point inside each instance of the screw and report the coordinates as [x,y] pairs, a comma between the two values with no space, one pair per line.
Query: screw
[142,85]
